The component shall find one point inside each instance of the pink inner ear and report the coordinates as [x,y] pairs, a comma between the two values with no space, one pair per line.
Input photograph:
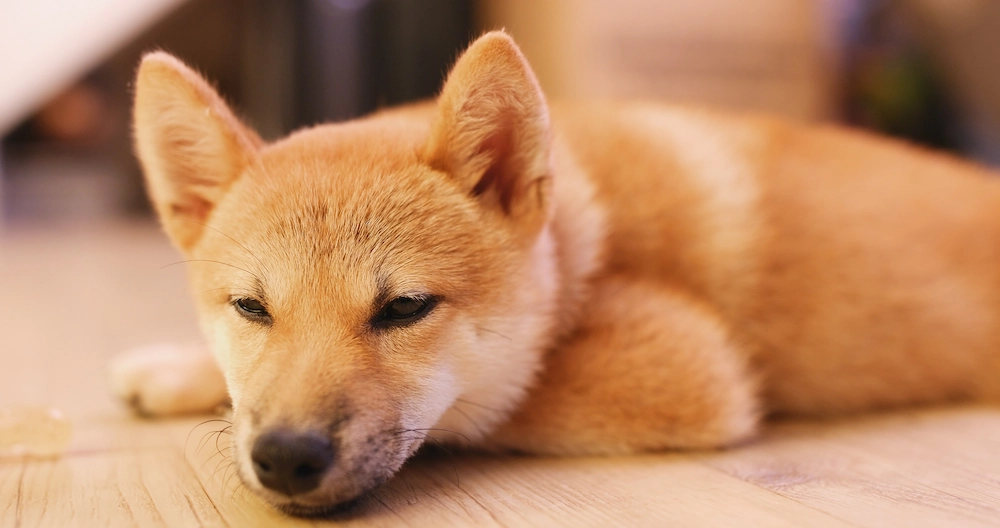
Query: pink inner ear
[500,176]
[193,207]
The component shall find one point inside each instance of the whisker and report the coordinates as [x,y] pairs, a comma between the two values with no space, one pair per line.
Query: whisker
[201,467]
[204,442]
[488,408]
[214,289]
[221,480]
[252,274]
[494,332]
[236,471]
[467,439]
[411,488]
[212,456]
[219,466]
[428,437]
[217,437]
[458,481]
[239,487]
[193,429]
[440,445]
[469,418]
[225,462]
[237,242]
[405,431]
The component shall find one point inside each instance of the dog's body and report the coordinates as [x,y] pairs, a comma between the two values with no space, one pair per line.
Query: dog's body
[627,277]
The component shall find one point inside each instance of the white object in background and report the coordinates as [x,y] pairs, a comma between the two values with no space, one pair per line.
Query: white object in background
[45,45]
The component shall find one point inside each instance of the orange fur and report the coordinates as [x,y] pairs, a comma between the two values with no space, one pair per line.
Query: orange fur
[627,277]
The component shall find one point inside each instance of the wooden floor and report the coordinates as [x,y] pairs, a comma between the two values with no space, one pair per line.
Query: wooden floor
[70,299]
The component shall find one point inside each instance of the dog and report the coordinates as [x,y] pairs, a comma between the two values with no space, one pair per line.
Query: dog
[589,278]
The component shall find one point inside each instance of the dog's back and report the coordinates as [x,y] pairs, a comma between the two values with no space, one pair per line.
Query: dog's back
[857,271]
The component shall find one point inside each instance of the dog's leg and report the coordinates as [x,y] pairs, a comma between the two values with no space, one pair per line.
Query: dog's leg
[648,369]
[162,380]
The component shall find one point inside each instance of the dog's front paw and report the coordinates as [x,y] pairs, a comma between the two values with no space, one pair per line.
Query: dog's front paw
[160,380]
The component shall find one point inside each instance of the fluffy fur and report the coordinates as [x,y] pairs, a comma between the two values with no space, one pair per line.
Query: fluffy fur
[625,277]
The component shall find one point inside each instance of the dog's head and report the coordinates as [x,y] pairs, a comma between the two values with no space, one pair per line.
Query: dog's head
[365,286]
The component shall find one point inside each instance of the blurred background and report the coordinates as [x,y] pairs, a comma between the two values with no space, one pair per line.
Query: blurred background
[924,70]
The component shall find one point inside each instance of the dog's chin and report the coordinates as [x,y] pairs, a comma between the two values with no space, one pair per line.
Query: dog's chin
[321,503]
[318,510]
[323,507]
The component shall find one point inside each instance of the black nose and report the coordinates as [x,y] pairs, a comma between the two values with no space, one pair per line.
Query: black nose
[291,462]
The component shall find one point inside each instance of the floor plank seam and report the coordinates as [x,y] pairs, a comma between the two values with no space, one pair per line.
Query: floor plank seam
[194,511]
[702,460]
[201,485]
[123,502]
[481,505]
[390,508]
[84,453]
[19,507]
[868,458]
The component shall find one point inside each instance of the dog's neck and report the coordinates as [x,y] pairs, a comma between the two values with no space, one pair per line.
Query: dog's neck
[578,227]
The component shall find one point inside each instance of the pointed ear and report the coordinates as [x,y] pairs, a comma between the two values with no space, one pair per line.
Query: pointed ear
[190,144]
[492,131]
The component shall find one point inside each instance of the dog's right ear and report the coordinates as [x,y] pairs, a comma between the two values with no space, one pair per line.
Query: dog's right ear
[492,132]
[190,144]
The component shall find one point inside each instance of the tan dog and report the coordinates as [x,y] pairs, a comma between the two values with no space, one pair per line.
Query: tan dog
[625,277]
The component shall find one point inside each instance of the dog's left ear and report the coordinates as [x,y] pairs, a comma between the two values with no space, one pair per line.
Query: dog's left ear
[492,132]
[190,144]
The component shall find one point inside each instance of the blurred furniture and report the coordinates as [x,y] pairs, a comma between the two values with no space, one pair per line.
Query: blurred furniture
[282,64]
[47,44]
[935,64]
[765,55]
[355,56]
[963,36]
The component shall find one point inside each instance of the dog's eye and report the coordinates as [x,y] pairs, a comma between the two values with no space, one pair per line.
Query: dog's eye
[403,310]
[251,309]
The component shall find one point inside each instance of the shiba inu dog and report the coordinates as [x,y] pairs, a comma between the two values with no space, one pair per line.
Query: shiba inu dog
[580,278]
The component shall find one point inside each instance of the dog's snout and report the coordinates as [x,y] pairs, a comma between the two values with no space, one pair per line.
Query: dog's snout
[291,462]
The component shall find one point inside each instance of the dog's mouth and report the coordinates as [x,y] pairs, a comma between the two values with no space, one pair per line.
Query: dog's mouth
[321,506]
[317,510]
[357,469]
